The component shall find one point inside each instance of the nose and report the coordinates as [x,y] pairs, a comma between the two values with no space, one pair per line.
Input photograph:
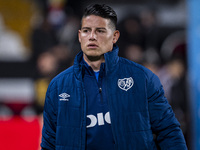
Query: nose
[93,35]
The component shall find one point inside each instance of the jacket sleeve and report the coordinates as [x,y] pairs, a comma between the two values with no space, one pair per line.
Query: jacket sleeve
[163,121]
[49,122]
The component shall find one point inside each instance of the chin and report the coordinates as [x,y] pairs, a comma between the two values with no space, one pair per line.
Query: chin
[93,53]
[94,57]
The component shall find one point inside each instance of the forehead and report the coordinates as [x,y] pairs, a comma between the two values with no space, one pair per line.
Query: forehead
[95,21]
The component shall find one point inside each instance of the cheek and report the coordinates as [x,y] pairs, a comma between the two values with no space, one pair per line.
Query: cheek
[82,37]
[108,46]
[108,41]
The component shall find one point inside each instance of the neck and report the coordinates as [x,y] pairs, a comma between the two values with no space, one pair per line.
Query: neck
[94,62]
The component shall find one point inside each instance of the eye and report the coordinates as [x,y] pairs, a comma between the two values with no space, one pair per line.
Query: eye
[85,30]
[101,31]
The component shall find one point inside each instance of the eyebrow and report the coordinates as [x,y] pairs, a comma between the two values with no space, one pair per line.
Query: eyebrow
[102,28]
[85,28]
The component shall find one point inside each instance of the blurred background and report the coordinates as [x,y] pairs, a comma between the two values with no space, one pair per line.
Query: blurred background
[38,39]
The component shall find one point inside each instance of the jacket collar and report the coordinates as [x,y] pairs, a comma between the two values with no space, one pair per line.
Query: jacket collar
[111,60]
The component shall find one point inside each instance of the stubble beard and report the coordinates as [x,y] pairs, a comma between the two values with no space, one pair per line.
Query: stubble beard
[94,58]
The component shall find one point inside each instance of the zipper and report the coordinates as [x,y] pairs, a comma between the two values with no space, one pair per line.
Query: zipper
[99,85]
[100,92]
[83,125]
[109,106]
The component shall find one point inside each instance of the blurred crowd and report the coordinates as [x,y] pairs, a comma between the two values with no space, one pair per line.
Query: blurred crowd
[54,43]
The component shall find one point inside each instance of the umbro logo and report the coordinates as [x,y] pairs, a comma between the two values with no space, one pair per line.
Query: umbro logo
[64,97]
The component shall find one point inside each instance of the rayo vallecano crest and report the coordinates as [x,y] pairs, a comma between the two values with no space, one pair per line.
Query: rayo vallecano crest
[126,83]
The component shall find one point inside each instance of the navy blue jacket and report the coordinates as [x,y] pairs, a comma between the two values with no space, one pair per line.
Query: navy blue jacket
[137,106]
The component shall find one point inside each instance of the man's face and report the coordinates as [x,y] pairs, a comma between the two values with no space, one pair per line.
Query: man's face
[97,36]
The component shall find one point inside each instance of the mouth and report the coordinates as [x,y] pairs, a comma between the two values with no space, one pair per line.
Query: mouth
[92,46]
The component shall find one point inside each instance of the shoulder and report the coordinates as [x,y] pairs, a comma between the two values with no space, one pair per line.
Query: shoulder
[62,78]
[63,74]
[139,72]
[135,67]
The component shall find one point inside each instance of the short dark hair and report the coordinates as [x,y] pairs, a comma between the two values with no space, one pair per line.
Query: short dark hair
[101,10]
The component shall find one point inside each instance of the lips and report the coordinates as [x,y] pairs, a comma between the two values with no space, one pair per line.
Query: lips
[92,45]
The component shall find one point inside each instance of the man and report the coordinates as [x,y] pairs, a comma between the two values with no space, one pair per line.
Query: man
[104,102]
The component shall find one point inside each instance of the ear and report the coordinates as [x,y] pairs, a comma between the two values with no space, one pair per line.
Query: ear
[116,36]
[79,35]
